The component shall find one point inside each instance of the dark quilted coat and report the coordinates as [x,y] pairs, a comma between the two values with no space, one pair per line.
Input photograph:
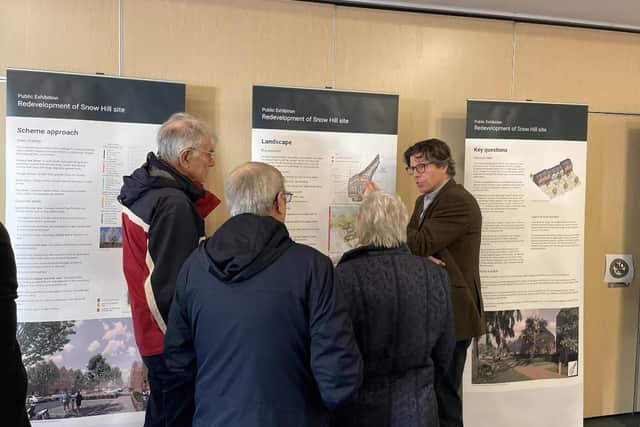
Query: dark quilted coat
[401,311]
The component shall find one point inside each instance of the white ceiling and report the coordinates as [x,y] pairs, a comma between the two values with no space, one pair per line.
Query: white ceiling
[614,14]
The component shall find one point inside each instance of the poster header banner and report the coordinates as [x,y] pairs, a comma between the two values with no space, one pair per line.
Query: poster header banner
[529,121]
[324,110]
[98,98]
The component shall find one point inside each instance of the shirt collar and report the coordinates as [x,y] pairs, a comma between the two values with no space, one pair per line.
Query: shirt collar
[435,192]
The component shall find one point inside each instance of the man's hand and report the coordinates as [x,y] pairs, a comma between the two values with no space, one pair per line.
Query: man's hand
[370,187]
[437,261]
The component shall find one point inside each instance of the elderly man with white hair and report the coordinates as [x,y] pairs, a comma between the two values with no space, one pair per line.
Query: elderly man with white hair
[401,311]
[257,334]
[164,206]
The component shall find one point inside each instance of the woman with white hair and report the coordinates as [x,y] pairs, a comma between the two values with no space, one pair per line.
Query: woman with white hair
[401,312]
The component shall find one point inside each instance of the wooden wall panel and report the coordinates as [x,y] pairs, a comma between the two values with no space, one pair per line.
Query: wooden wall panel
[595,67]
[599,68]
[61,35]
[220,49]
[434,62]
[610,315]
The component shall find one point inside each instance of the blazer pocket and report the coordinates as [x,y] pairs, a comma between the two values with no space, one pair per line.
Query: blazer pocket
[456,278]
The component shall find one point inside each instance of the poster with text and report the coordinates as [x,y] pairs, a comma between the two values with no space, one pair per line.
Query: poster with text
[327,144]
[525,163]
[69,140]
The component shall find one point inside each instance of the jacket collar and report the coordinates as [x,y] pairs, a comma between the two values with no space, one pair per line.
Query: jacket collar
[156,173]
[370,250]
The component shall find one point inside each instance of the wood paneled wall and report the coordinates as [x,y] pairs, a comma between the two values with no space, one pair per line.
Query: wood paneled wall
[435,62]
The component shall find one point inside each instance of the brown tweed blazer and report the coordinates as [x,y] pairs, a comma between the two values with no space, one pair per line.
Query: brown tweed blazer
[450,231]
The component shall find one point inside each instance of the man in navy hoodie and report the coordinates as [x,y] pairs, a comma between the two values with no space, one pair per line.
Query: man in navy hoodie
[164,206]
[257,334]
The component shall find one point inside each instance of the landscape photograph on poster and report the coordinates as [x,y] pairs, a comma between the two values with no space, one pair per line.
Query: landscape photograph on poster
[79,368]
[524,345]
[342,232]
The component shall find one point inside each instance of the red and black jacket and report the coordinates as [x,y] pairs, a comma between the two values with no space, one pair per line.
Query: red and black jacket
[162,223]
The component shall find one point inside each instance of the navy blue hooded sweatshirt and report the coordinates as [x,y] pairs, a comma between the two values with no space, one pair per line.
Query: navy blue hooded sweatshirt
[257,335]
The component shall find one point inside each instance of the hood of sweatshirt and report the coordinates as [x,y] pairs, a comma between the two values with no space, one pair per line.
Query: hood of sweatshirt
[244,246]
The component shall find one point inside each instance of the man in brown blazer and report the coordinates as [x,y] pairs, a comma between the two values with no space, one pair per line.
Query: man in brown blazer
[445,226]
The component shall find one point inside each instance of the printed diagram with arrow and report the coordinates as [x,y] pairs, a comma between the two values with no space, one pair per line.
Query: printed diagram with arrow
[357,182]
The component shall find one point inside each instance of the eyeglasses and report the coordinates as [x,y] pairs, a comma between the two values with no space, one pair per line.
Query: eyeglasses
[211,154]
[420,167]
[287,196]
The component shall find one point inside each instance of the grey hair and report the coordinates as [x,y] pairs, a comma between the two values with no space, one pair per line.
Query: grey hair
[252,188]
[382,220]
[179,132]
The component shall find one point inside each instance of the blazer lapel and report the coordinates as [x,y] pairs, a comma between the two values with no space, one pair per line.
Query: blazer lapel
[415,220]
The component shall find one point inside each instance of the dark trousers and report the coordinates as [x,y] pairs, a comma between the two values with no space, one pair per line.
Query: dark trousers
[157,376]
[448,390]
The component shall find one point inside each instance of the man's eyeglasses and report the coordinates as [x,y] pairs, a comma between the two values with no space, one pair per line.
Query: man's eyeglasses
[420,167]
[211,154]
[287,196]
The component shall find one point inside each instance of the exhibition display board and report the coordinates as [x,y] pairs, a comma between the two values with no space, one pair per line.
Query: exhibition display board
[69,140]
[327,144]
[525,163]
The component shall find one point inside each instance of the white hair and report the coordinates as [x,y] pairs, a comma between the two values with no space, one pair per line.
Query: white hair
[181,131]
[382,220]
[252,188]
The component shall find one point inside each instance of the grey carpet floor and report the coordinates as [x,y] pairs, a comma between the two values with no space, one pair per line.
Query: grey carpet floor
[627,420]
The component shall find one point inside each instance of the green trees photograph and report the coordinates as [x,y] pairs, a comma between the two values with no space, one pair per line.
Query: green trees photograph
[41,339]
[522,345]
